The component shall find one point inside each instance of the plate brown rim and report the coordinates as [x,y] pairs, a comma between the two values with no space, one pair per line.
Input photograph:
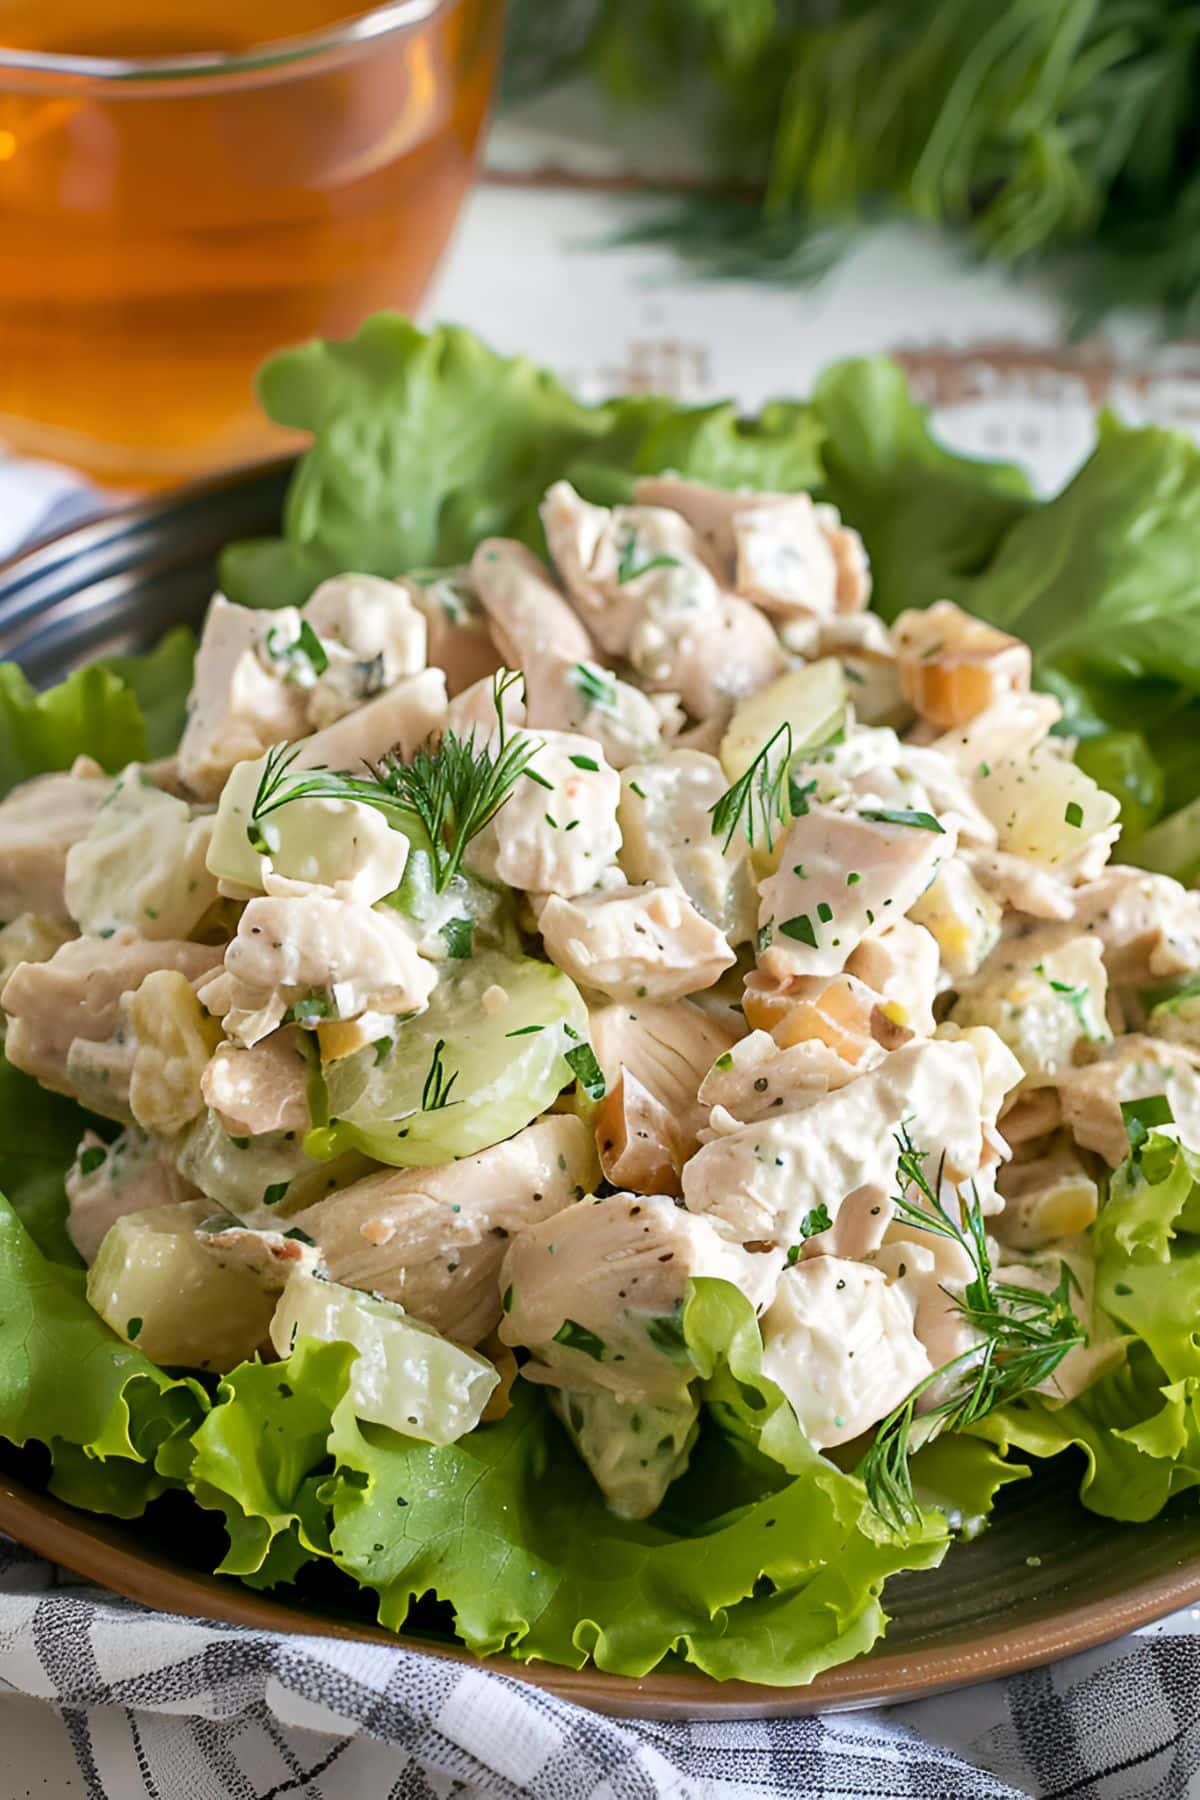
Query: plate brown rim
[100,1550]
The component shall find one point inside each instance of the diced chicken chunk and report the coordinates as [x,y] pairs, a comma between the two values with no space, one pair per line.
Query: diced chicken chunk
[1130,1068]
[634,943]
[371,634]
[286,950]
[842,876]
[931,1271]
[28,938]
[141,864]
[458,640]
[271,1257]
[761,1182]
[107,1181]
[401,719]
[755,1078]
[627,724]
[1045,996]
[953,666]
[1011,727]
[75,996]
[557,832]
[39,822]
[639,1143]
[527,615]
[433,1239]
[636,579]
[239,707]
[595,1292]
[839,1340]
[1104,1346]
[1025,886]
[667,838]
[262,1089]
[668,1050]
[1148,925]
[785,562]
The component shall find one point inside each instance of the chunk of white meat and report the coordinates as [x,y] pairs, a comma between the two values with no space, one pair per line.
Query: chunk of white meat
[285,950]
[343,847]
[1000,1071]
[1048,1195]
[839,1340]
[841,877]
[40,820]
[634,943]
[433,1239]
[142,863]
[1104,1348]
[862,644]
[106,1181]
[1027,887]
[74,998]
[1010,727]
[625,563]
[755,1078]
[667,838]
[557,831]
[949,795]
[458,640]
[761,1182]
[527,615]
[785,562]
[902,966]
[372,635]
[634,1449]
[262,1089]
[637,1139]
[953,666]
[931,1271]
[627,724]
[1130,1068]
[28,938]
[963,918]
[1049,812]
[595,1293]
[1045,996]
[238,707]
[668,1050]
[1148,925]
[716,513]
[634,576]
[400,720]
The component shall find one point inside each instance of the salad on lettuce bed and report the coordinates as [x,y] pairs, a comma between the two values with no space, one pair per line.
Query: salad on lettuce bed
[587,1058]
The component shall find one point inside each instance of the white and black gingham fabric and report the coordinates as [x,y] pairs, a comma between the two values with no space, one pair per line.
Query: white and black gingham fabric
[104,1700]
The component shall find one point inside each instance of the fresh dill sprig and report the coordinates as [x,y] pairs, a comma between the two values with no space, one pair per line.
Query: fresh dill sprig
[436,1092]
[451,792]
[759,799]
[1024,1334]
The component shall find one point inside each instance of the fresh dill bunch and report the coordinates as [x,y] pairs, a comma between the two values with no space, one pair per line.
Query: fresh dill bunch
[1027,125]
[450,792]
[1024,1335]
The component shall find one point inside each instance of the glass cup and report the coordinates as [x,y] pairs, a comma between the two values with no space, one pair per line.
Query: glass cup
[166,220]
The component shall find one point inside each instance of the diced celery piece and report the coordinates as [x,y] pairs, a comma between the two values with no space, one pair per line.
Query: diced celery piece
[406,1375]
[157,1286]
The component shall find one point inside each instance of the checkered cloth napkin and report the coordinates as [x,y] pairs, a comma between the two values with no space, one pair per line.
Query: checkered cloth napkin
[102,1698]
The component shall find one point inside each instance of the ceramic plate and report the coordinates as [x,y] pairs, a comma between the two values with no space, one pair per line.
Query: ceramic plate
[1048,1578]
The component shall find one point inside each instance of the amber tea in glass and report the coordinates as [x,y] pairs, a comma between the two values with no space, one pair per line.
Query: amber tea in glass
[185,185]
